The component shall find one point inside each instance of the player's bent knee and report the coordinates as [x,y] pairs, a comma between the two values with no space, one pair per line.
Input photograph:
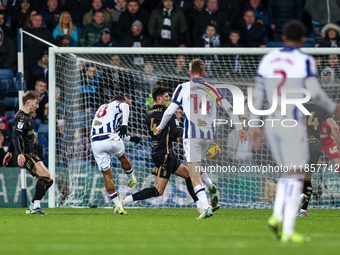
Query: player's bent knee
[160,191]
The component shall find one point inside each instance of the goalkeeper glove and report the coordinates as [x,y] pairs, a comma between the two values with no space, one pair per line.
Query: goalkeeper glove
[135,139]
[122,131]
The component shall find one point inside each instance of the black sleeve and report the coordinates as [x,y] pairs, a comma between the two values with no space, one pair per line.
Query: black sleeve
[18,127]
[173,127]
[11,147]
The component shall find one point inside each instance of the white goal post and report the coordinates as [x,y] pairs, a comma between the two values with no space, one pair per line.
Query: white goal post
[245,58]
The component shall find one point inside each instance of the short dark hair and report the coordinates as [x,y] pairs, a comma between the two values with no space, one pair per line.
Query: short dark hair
[294,30]
[41,80]
[119,98]
[235,31]
[158,91]
[29,95]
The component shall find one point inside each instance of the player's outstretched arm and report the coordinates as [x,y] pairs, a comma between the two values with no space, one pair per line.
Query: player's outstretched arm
[166,117]
[334,129]
[122,130]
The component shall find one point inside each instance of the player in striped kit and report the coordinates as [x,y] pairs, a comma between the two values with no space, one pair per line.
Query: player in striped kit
[106,140]
[199,100]
[279,70]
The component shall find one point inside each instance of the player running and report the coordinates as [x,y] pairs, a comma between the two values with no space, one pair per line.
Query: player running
[198,99]
[23,145]
[106,140]
[278,70]
[313,123]
[166,162]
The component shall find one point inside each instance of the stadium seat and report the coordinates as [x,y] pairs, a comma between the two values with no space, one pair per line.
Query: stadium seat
[43,141]
[6,75]
[9,115]
[43,130]
[11,103]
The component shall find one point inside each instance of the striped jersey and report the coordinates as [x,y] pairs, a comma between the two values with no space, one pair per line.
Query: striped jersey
[199,101]
[284,68]
[106,119]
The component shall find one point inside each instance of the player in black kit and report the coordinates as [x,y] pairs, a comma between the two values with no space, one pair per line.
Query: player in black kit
[166,162]
[23,145]
[313,123]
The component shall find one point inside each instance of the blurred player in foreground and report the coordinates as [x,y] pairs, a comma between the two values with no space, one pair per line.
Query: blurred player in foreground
[198,100]
[23,144]
[278,70]
[106,140]
[166,162]
[318,120]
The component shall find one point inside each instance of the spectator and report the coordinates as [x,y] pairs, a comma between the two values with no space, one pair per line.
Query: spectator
[145,81]
[252,33]
[322,13]
[193,14]
[64,41]
[66,26]
[80,149]
[333,64]
[279,12]
[20,15]
[150,5]
[212,15]
[97,5]
[330,33]
[38,71]
[119,9]
[77,10]
[51,14]
[210,38]
[106,40]
[132,13]
[7,52]
[3,20]
[28,23]
[4,144]
[260,12]
[136,38]
[40,115]
[90,94]
[181,68]
[167,25]
[239,152]
[327,76]
[33,49]
[2,6]
[234,38]
[185,5]
[91,33]
[3,123]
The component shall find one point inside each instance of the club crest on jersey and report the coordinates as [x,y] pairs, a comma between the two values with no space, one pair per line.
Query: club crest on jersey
[20,125]
[97,123]
[201,122]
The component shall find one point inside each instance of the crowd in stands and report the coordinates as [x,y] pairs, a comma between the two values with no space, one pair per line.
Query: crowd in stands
[147,23]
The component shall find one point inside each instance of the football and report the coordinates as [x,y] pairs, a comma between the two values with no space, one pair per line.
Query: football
[214,151]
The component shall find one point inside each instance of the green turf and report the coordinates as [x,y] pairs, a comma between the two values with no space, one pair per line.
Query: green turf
[160,231]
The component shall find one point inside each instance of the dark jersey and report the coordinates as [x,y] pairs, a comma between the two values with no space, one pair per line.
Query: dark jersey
[23,133]
[313,121]
[161,143]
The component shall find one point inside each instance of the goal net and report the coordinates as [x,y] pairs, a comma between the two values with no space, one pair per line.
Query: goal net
[81,79]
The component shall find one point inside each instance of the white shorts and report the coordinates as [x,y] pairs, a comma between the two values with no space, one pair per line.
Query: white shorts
[289,145]
[195,149]
[104,149]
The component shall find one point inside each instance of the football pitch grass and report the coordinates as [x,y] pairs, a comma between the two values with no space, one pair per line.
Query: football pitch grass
[160,231]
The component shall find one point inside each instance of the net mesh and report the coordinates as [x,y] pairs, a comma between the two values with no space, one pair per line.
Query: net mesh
[85,81]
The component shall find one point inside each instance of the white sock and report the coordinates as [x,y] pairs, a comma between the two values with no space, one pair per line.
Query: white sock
[200,193]
[31,206]
[36,204]
[205,179]
[130,174]
[114,198]
[279,198]
[198,204]
[292,204]
[127,200]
